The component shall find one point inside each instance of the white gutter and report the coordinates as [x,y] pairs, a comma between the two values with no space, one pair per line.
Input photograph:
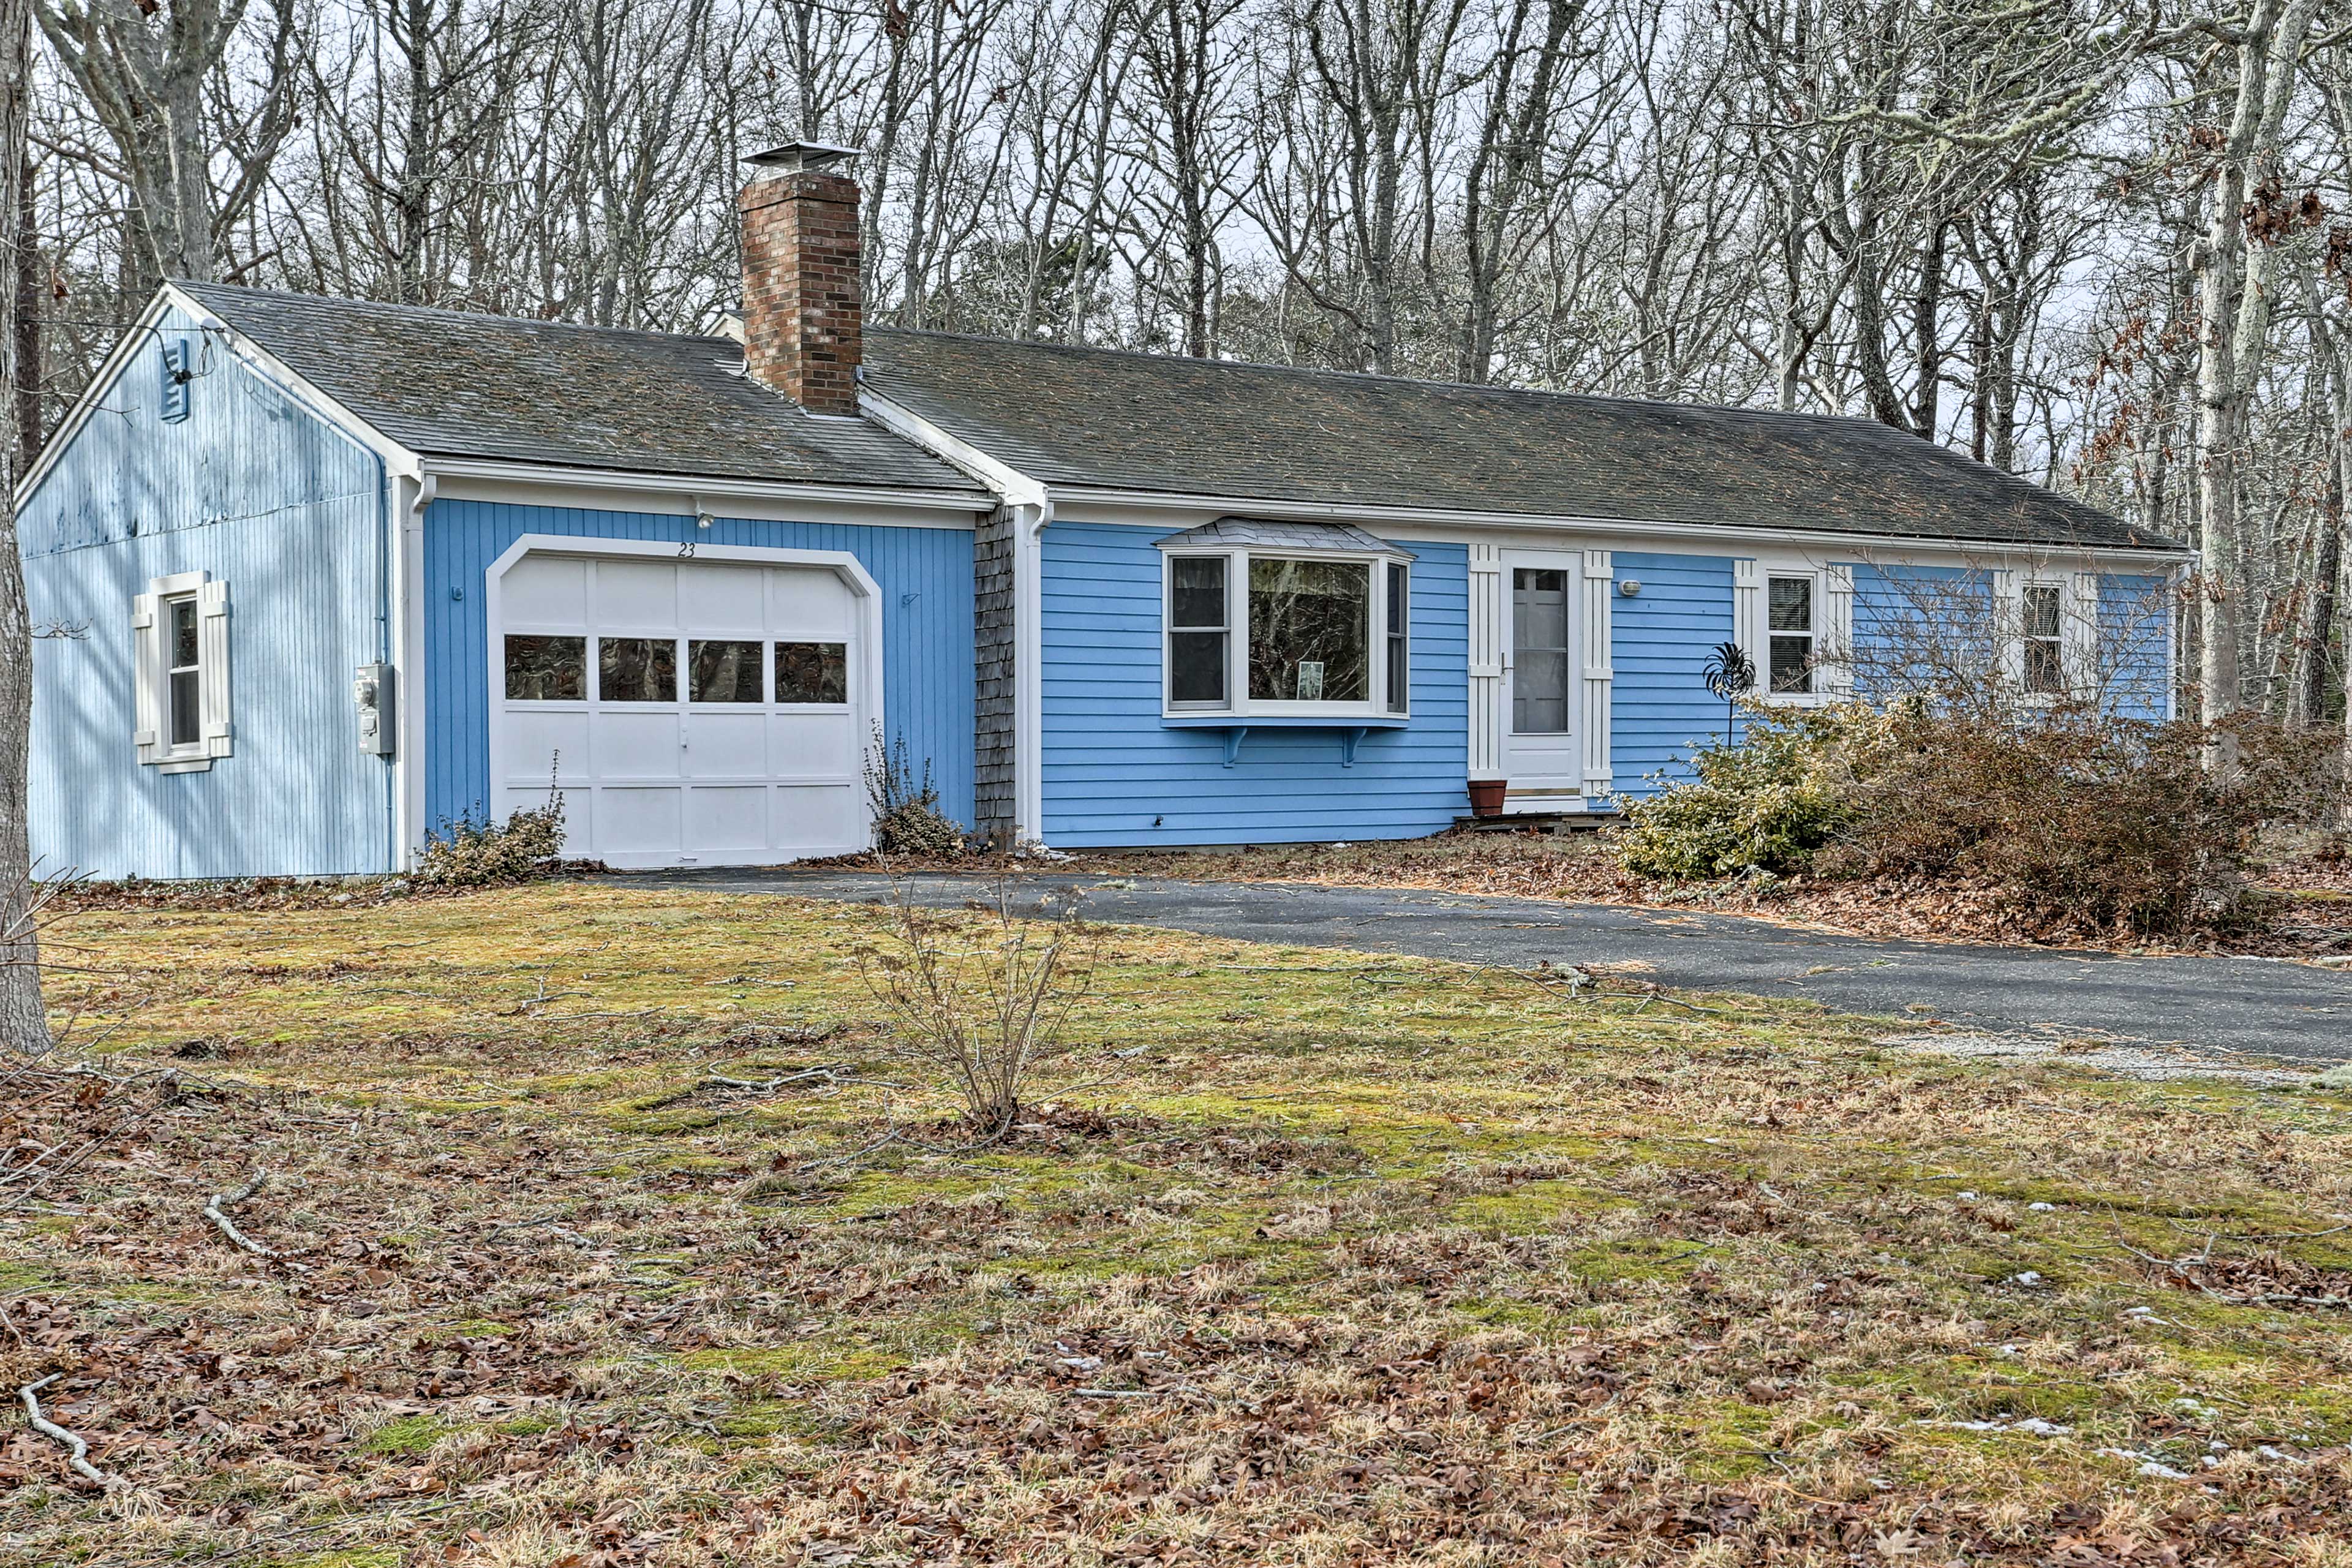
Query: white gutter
[685,486]
[1254,506]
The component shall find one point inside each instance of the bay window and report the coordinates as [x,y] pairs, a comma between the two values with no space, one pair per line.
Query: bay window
[1286,620]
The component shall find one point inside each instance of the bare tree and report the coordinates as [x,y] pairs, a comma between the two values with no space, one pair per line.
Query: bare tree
[2232,262]
[24,1024]
[143,66]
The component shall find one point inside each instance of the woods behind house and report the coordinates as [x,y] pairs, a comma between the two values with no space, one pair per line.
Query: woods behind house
[2102,243]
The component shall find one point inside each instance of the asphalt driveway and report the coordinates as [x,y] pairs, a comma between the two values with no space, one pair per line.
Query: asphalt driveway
[2280,1012]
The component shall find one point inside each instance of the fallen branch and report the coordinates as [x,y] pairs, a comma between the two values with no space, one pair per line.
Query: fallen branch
[831,1073]
[221,1201]
[78,1455]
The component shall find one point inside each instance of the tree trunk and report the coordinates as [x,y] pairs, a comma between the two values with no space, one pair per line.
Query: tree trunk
[24,1026]
[31,283]
[2233,327]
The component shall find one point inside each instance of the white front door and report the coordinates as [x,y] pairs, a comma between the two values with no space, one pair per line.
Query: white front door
[1543,755]
[692,713]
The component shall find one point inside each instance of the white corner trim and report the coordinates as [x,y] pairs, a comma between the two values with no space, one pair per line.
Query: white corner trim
[870,713]
[1029,524]
[410,498]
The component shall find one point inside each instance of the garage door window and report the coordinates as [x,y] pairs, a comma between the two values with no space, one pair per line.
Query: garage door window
[637,670]
[547,669]
[813,672]
[723,672]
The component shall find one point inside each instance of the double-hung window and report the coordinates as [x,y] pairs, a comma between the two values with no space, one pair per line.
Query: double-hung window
[1197,632]
[2043,613]
[180,647]
[1789,609]
[1286,620]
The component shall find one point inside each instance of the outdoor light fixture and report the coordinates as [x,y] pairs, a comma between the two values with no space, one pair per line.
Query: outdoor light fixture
[1630,586]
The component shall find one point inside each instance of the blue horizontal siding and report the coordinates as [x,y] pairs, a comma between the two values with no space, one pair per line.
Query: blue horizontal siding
[1660,708]
[1115,774]
[2135,614]
[285,510]
[925,576]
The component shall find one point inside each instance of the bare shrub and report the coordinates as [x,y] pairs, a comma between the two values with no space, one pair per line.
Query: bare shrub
[906,816]
[978,996]
[470,854]
[2074,819]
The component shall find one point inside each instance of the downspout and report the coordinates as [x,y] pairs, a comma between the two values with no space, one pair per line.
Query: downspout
[1028,668]
[405,653]
[388,497]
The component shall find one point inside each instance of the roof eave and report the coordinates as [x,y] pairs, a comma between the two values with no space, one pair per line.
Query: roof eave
[1071,494]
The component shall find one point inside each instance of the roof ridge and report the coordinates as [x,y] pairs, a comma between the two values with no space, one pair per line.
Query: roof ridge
[1474,388]
[393,307]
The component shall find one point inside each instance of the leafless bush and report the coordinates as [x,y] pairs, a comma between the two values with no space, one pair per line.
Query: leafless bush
[2074,819]
[485,854]
[978,996]
[905,804]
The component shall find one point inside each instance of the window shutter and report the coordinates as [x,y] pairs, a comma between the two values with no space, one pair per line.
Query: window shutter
[1598,673]
[212,630]
[1748,616]
[2009,626]
[1837,631]
[146,677]
[2083,675]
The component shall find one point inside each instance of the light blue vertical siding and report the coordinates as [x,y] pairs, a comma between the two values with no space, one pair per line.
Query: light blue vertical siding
[925,576]
[289,512]
[1660,708]
[2135,613]
[1115,774]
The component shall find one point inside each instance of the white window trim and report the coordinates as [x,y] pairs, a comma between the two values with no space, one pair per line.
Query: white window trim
[1238,706]
[1832,632]
[2078,631]
[151,674]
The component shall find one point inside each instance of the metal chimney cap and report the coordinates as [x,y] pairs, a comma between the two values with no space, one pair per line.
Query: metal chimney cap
[795,157]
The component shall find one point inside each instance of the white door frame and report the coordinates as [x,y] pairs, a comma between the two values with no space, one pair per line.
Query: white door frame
[1569,770]
[865,681]
[1545,770]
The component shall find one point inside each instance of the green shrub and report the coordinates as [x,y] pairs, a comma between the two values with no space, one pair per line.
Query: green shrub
[469,854]
[906,816]
[1769,804]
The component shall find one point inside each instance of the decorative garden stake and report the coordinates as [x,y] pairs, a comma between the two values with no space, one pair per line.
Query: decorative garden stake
[1730,674]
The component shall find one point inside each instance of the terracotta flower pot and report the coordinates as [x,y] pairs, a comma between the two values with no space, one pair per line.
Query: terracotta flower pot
[1486,797]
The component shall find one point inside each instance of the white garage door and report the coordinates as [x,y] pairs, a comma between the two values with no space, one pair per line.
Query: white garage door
[693,713]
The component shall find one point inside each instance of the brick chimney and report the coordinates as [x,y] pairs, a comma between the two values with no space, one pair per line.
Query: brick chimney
[804,320]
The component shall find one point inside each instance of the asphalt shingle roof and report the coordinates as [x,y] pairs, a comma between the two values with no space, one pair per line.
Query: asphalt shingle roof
[457,383]
[451,384]
[1097,417]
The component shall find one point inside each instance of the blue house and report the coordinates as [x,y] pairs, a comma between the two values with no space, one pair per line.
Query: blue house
[324,575]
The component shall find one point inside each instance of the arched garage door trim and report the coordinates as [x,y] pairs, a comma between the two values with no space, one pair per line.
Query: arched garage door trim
[868,714]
